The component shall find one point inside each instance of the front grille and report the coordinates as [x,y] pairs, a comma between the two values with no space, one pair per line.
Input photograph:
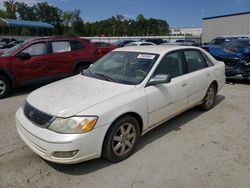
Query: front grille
[36,116]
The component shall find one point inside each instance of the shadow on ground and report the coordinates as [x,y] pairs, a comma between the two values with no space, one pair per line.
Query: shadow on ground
[237,81]
[174,124]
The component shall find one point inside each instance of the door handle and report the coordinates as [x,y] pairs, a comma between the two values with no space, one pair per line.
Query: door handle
[185,84]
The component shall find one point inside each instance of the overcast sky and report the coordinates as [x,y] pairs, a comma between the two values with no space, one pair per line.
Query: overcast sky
[178,13]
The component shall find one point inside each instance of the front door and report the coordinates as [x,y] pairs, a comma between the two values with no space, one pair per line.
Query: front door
[34,68]
[166,100]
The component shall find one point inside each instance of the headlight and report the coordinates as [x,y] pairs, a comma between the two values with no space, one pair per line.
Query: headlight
[73,125]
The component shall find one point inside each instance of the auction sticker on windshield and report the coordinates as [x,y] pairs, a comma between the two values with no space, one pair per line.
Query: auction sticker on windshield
[145,56]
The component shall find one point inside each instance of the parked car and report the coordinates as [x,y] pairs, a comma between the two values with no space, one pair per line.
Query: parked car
[11,44]
[139,44]
[217,43]
[155,40]
[123,43]
[105,110]
[104,47]
[44,60]
[2,51]
[236,55]
[187,42]
[176,44]
[6,41]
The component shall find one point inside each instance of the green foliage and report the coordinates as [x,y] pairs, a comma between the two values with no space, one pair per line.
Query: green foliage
[10,7]
[71,23]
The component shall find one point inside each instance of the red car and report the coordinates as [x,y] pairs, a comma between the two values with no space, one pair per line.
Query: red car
[45,60]
[104,47]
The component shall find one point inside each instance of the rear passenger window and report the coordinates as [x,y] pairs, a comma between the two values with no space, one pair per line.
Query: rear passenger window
[195,60]
[61,46]
[170,64]
[208,60]
[76,45]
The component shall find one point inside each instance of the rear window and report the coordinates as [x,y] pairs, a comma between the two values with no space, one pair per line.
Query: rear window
[76,45]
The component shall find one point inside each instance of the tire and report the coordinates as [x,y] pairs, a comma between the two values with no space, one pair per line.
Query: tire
[121,139]
[4,87]
[209,99]
[80,68]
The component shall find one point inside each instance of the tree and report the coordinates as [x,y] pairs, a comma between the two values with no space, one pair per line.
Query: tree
[77,25]
[26,12]
[50,14]
[10,7]
[68,22]
[141,25]
[2,13]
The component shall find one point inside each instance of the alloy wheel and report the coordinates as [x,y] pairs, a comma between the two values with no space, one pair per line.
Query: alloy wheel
[2,87]
[209,99]
[124,139]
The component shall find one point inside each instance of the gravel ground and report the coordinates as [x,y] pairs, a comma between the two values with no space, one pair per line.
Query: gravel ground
[195,150]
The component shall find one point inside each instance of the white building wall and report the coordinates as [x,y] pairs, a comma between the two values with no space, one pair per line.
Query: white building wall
[227,25]
[193,32]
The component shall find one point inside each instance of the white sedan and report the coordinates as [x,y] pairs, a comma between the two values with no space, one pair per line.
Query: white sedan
[104,110]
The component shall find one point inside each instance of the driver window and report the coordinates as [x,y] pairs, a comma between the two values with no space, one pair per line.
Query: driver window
[35,49]
[170,64]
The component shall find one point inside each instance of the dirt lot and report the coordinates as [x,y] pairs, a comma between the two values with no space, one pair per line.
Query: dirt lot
[195,150]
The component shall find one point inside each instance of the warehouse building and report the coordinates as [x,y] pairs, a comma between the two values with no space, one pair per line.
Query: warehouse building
[226,25]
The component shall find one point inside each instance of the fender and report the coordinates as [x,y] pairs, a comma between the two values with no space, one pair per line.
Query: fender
[9,75]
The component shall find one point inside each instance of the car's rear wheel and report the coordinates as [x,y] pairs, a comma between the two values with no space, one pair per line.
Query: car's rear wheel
[209,99]
[4,87]
[121,139]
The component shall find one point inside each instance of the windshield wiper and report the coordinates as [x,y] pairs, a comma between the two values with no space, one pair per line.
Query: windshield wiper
[89,73]
[105,77]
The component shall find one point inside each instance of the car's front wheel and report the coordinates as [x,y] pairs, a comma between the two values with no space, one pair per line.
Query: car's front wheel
[121,139]
[4,87]
[209,99]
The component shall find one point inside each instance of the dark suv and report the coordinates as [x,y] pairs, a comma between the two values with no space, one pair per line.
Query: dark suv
[44,60]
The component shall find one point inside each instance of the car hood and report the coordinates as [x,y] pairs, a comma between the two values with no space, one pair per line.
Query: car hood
[70,96]
[224,53]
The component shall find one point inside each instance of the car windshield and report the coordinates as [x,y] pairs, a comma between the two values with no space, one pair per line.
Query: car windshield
[10,50]
[220,41]
[123,67]
[236,46]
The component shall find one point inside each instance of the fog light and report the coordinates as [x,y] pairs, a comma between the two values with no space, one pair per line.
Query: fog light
[65,154]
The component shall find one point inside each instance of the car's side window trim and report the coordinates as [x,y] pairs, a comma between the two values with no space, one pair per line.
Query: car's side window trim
[207,60]
[201,54]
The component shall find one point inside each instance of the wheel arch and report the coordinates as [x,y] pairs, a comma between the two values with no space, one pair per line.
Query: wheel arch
[81,62]
[7,75]
[216,85]
[133,114]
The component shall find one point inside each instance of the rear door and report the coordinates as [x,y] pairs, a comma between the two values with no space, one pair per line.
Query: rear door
[199,76]
[166,100]
[64,54]
[36,68]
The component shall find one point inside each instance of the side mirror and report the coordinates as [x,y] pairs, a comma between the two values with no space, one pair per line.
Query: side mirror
[159,79]
[23,55]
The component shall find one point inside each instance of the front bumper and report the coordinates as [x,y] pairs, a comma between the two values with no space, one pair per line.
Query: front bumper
[238,73]
[46,143]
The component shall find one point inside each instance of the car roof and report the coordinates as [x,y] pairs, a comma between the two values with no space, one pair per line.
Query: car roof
[157,49]
[56,38]
[242,39]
